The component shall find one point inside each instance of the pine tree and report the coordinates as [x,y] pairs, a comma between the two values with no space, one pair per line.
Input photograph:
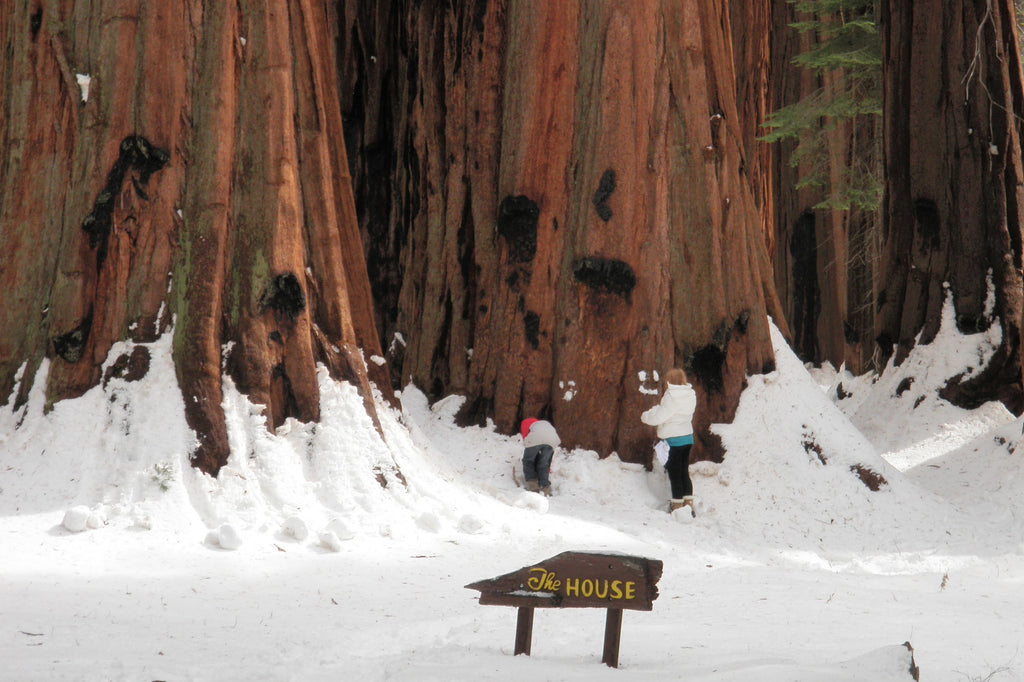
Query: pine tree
[846,58]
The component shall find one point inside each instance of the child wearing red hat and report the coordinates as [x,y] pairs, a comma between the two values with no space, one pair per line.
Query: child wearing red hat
[539,440]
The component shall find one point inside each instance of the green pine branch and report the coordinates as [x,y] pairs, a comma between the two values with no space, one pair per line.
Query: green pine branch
[848,50]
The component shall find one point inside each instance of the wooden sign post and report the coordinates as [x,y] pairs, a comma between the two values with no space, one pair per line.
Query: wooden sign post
[576,580]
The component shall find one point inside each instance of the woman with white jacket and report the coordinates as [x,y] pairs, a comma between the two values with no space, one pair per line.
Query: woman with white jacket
[673,416]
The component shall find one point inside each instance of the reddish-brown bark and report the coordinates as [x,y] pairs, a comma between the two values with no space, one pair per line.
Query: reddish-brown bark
[953,181]
[204,177]
[559,199]
[575,207]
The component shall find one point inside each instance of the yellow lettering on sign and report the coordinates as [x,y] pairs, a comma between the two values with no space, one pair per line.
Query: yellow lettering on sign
[543,580]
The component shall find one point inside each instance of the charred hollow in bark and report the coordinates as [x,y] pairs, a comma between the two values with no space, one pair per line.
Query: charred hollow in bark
[517,223]
[284,295]
[706,365]
[138,155]
[531,327]
[605,274]
[70,346]
[129,366]
[803,248]
[604,190]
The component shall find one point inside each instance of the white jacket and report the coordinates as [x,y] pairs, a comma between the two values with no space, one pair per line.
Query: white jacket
[673,415]
[542,433]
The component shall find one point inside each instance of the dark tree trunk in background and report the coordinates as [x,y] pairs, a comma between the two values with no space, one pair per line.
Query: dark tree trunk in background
[793,257]
[558,200]
[952,82]
[824,259]
[203,184]
[859,232]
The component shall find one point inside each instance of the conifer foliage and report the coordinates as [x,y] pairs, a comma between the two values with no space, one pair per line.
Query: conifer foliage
[844,53]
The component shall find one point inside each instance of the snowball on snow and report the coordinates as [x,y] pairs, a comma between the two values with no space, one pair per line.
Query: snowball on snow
[343,529]
[471,524]
[228,537]
[534,501]
[330,540]
[683,515]
[225,537]
[76,519]
[429,521]
[295,527]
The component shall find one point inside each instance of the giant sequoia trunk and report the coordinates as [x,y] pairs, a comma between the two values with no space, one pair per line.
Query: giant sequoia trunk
[953,202]
[179,164]
[753,28]
[572,206]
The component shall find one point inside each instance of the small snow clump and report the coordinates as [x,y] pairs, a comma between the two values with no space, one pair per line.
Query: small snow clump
[76,519]
[295,528]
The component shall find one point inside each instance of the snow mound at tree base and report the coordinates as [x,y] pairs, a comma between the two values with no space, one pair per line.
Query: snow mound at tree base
[792,564]
[799,478]
[801,474]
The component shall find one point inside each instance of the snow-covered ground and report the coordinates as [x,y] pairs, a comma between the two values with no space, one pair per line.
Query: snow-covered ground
[324,552]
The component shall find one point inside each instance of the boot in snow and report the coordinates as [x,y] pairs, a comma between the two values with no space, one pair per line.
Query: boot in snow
[532,485]
[688,502]
[675,505]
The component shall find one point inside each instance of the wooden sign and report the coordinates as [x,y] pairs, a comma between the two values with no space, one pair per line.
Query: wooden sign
[576,580]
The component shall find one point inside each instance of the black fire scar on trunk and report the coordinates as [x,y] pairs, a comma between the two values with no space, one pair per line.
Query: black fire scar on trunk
[71,345]
[531,324]
[604,190]
[605,274]
[35,22]
[284,295]
[706,365]
[135,154]
[517,223]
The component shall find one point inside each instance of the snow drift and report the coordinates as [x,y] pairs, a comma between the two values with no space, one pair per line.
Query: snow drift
[847,518]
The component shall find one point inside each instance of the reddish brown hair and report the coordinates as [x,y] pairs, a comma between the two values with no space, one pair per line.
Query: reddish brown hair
[675,376]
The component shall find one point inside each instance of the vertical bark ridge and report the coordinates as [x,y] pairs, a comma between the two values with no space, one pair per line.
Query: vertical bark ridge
[614,225]
[938,232]
[204,182]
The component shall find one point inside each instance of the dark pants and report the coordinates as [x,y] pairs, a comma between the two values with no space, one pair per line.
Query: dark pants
[536,463]
[678,468]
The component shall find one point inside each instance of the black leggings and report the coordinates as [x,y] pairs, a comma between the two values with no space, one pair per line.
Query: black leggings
[678,468]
